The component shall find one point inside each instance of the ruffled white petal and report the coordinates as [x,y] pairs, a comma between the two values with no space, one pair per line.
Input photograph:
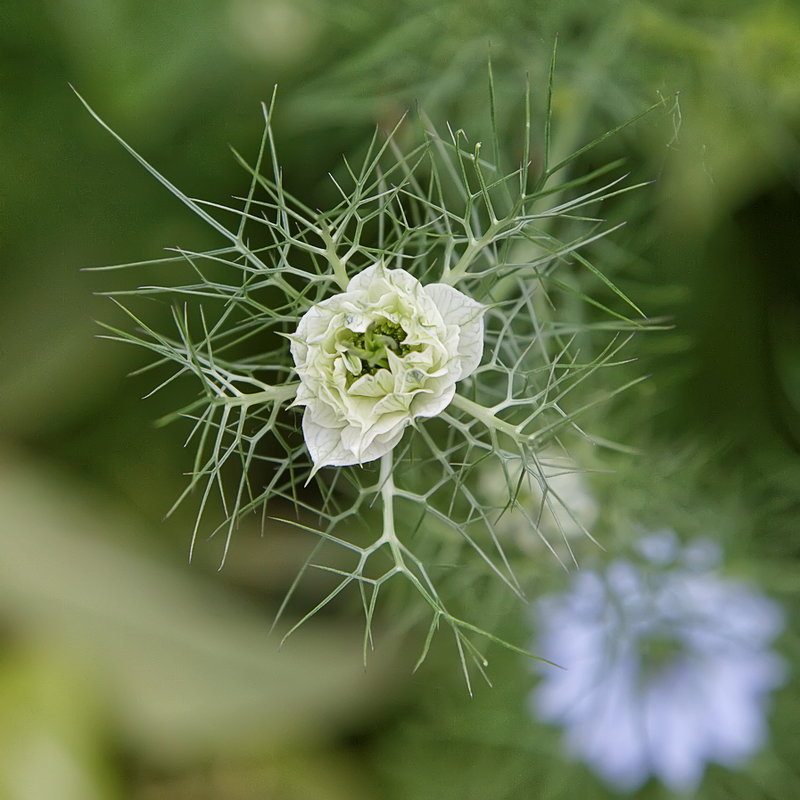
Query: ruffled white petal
[324,443]
[358,403]
[467,314]
[361,281]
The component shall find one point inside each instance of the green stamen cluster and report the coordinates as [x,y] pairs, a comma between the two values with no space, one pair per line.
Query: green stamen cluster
[371,346]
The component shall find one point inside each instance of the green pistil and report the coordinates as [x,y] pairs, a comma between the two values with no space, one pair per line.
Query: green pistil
[372,346]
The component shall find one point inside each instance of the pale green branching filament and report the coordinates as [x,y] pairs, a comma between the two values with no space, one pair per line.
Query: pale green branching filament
[434,324]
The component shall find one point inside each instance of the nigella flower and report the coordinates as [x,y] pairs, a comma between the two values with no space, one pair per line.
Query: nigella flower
[378,355]
[666,666]
[463,352]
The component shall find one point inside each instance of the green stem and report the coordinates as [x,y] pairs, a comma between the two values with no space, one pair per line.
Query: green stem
[486,416]
[452,276]
[389,536]
[337,265]
[278,394]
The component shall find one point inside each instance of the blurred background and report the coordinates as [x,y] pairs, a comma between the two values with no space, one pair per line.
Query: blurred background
[127,673]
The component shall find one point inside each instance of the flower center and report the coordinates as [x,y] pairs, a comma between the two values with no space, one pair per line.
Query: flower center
[365,352]
[657,651]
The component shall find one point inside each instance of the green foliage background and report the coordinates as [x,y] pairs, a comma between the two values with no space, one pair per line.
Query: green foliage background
[126,673]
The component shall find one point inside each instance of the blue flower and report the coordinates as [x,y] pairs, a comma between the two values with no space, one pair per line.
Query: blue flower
[666,665]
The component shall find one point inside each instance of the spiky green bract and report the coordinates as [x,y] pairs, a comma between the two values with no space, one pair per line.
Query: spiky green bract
[516,241]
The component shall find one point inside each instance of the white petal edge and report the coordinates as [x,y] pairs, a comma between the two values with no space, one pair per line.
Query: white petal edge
[311,323]
[458,309]
[361,280]
[325,444]
[429,406]
[326,449]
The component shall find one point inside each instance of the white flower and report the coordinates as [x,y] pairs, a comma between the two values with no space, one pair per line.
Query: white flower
[378,355]
[666,667]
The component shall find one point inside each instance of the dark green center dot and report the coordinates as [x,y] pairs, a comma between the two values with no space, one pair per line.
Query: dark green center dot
[656,651]
[372,346]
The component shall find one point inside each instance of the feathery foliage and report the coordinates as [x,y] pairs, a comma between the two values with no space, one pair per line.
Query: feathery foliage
[518,240]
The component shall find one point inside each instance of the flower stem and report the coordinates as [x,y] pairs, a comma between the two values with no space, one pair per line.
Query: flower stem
[452,276]
[337,265]
[278,394]
[486,416]
[389,535]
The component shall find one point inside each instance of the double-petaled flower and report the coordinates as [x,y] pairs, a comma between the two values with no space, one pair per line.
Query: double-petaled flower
[378,355]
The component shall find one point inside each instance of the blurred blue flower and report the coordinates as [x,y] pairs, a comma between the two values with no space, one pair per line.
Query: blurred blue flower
[667,665]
